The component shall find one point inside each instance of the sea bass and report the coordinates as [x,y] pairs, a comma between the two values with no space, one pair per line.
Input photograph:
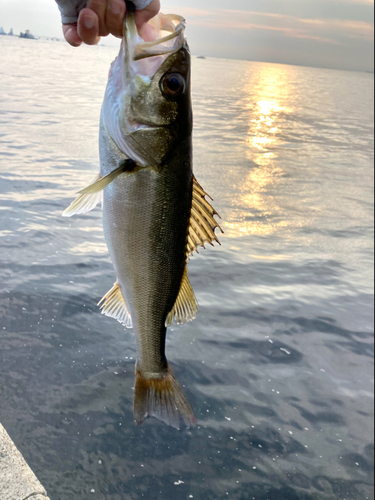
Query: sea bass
[155,213]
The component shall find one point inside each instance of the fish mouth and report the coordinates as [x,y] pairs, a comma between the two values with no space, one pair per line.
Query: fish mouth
[171,23]
[145,57]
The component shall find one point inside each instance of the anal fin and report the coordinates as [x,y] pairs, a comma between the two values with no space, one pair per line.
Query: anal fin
[185,308]
[114,306]
[85,202]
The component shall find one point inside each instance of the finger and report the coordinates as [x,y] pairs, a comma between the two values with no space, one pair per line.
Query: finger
[100,9]
[71,35]
[88,27]
[148,33]
[143,16]
[115,17]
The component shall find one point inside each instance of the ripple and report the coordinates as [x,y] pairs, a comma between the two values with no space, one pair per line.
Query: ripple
[277,363]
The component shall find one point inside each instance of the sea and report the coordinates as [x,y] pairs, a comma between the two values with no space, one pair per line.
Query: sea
[278,366]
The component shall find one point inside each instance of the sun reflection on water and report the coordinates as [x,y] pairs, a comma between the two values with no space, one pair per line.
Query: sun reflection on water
[262,126]
[256,211]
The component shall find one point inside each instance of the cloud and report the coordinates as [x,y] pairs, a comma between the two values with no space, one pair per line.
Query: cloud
[240,25]
[351,10]
[327,33]
[331,31]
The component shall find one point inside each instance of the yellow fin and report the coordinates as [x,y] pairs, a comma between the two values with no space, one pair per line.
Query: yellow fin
[185,308]
[114,306]
[162,398]
[202,222]
[103,182]
[85,202]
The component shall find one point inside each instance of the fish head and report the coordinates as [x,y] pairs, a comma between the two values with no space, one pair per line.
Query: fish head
[163,100]
[150,90]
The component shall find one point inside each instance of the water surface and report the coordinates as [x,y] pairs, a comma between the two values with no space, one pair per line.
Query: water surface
[279,363]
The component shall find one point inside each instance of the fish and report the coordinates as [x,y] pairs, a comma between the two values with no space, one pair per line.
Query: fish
[155,212]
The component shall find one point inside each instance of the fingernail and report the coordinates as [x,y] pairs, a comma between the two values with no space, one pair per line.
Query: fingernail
[71,37]
[88,22]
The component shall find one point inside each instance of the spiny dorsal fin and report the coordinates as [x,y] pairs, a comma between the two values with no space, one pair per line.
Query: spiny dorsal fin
[114,306]
[85,202]
[202,222]
[185,308]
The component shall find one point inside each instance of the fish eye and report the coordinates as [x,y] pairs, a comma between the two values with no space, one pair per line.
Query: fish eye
[173,85]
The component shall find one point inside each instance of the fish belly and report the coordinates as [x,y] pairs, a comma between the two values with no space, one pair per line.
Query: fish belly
[146,215]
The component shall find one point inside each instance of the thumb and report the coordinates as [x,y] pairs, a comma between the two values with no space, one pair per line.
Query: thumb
[71,35]
[143,16]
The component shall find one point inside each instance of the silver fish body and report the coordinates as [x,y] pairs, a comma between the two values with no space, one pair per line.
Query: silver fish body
[155,214]
[145,218]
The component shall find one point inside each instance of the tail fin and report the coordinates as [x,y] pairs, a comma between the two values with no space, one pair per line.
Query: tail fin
[163,399]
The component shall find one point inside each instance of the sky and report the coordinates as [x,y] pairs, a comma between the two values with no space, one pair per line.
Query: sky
[337,34]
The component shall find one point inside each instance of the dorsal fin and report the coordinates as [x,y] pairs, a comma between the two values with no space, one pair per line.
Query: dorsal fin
[185,308]
[85,202]
[114,306]
[202,222]
[201,230]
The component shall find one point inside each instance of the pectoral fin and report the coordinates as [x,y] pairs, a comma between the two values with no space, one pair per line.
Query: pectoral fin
[84,203]
[102,183]
[114,306]
[202,222]
[185,308]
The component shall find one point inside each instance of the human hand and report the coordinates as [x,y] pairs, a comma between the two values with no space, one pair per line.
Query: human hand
[104,17]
